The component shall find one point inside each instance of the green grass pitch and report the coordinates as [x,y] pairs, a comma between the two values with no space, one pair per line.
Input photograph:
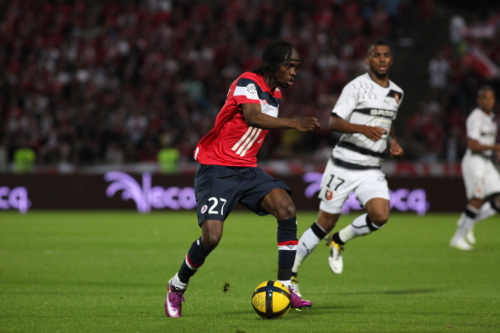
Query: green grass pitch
[107,272]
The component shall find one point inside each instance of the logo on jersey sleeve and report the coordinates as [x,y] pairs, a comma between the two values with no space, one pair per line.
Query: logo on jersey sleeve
[252,91]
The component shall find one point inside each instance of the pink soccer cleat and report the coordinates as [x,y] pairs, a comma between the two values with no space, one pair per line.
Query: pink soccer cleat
[297,302]
[173,304]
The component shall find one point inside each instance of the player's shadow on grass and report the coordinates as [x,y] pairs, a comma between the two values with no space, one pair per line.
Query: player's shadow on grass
[322,309]
[318,310]
[392,292]
[83,283]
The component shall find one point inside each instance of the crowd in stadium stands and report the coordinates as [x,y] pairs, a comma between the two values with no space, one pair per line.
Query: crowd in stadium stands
[472,59]
[93,82]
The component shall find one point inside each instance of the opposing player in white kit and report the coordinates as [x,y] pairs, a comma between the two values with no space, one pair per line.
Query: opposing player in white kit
[364,113]
[481,178]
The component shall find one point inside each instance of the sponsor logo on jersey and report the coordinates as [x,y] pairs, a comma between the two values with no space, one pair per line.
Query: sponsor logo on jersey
[488,134]
[204,209]
[383,113]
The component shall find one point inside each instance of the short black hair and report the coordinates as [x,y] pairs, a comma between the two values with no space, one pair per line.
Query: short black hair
[485,88]
[275,54]
[376,43]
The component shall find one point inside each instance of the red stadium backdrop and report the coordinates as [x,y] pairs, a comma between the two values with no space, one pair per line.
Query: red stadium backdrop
[145,193]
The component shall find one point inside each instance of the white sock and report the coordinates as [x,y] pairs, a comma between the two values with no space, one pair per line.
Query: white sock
[347,234]
[307,242]
[177,283]
[287,283]
[467,221]
[485,211]
[359,227]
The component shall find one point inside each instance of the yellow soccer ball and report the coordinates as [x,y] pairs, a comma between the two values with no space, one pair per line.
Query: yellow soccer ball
[271,300]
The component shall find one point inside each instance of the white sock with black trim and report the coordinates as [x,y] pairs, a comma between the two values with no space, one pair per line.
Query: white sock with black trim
[485,211]
[361,226]
[467,221]
[307,242]
[177,283]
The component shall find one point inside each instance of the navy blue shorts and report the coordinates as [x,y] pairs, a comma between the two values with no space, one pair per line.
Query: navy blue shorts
[219,188]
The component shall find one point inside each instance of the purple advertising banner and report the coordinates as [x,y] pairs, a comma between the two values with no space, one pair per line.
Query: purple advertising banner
[145,193]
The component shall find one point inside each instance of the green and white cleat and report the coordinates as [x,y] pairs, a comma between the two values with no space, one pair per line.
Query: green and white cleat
[295,286]
[469,236]
[460,243]
[335,259]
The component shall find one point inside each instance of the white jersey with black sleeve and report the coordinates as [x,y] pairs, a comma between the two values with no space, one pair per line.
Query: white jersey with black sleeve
[482,128]
[364,102]
[480,175]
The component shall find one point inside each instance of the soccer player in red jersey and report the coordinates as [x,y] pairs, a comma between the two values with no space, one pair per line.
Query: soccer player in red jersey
[229,173]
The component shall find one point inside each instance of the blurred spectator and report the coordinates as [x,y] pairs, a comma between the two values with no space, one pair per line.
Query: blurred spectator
[436,132]
[457,30]
[322,153]
[90,82]
[454,145]
[113,154]
[439,71]
[24,160]
[168,159]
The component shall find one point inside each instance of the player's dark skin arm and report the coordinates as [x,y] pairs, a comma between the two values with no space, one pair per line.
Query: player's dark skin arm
[476,147]
[340,125]
[255,118]
[373,133]
[395,149]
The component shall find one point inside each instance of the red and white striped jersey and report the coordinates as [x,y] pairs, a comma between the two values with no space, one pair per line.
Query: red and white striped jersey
[232,142]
